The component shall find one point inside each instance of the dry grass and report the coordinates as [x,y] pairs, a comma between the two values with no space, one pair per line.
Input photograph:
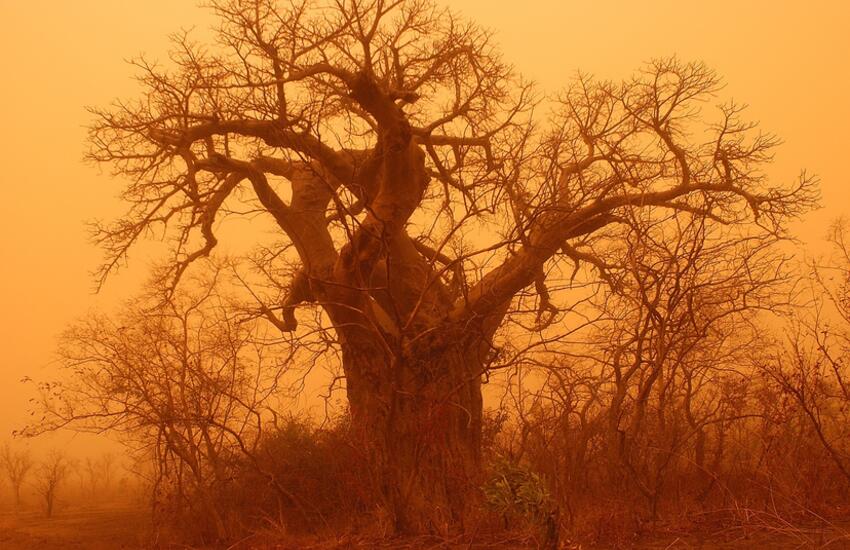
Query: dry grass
[128,527]
[90,528]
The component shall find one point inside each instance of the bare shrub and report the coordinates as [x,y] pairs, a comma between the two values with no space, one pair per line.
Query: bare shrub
[184,382]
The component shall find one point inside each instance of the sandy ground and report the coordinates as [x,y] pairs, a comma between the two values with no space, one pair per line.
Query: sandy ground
[90,528]
[777,541]
[118,527]
[834,536]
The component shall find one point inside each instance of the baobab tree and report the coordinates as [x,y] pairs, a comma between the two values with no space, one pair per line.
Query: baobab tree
[425,194]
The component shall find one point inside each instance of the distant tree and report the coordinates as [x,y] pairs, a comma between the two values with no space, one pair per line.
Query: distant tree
[49,475]
[98,472]
[106,465]
[428,199]
[78,469]
[16,465]
[92,475]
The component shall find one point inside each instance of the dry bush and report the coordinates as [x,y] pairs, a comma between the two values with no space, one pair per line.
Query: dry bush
[184,381]
[304,479]
[685,408]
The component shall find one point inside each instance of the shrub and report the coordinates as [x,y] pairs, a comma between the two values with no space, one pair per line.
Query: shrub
[513,490]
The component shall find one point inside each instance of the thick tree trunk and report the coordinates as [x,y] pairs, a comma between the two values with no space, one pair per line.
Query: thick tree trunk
[420,418]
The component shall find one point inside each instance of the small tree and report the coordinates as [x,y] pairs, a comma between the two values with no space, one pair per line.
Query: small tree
[185,382]
[49,475]
[811,366]
[17,466]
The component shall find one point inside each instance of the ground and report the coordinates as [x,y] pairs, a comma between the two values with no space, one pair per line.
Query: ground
[125,527]
[110,527]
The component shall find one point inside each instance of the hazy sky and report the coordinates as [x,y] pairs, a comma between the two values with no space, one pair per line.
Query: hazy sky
[787,60]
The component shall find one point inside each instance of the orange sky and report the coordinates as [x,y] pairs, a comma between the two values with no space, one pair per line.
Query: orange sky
[788,60]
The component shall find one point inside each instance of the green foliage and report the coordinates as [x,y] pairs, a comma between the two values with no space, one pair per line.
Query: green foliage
[517,492]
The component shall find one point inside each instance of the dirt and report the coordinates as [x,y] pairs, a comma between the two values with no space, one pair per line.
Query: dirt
[740,540]
[119,527]
[82,528]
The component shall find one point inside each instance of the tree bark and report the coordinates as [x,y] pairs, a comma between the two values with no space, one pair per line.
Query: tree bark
[420,419]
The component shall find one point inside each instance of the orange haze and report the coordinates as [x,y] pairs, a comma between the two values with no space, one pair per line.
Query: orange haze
[788,60]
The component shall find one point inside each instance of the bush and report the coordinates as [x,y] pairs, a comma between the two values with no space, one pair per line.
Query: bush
[302,479]
[521,497]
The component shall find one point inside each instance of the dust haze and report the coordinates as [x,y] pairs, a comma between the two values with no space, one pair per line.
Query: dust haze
[410,274]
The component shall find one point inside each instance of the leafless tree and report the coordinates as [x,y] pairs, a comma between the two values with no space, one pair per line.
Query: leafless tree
[683,328]
[426,194]
[98,473]
[16,465]
[810,366]
[92,474]
[185,383]
[106,464]
[650,391]
[49,476]
[78,469]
